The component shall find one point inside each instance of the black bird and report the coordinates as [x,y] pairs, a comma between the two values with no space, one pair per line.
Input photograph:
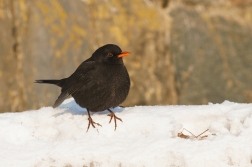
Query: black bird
[99,83]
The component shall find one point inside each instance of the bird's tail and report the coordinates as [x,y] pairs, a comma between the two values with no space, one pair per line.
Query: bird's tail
[59,83]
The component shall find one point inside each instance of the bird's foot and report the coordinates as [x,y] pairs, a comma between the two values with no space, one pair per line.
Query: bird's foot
[92,123]
[112,115]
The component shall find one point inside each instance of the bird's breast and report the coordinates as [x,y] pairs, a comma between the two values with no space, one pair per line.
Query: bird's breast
[109,88]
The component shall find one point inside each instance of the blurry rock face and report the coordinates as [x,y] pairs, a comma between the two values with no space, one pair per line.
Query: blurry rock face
[211,48]
[52,38]
[183,52]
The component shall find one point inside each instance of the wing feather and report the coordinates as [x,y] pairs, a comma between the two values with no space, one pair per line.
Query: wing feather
[81,77]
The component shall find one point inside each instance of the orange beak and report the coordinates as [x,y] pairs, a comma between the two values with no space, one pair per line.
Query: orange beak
[123,54]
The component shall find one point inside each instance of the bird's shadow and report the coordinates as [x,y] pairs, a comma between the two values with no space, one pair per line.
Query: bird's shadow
[71,107]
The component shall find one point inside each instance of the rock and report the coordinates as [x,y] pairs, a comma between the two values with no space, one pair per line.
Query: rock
[54,37]
[183,52]
[211,48]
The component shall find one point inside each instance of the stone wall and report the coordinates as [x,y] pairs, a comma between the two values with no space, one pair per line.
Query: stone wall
[183,51]
[211,45]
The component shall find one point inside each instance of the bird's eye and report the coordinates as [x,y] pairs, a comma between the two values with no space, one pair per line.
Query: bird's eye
[110,54]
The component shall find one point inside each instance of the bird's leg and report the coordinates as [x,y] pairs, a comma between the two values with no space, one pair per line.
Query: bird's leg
[112,115]
[91,121]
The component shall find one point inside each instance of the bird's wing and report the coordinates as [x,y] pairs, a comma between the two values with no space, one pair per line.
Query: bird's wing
[81,77]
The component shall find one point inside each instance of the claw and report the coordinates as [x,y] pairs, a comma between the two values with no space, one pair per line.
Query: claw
[90,121]
[112,115]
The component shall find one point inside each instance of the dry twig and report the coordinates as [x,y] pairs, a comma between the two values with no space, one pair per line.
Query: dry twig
[181,135]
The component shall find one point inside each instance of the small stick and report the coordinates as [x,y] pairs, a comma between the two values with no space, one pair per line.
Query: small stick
[186,136]
[189,132]
[202,133]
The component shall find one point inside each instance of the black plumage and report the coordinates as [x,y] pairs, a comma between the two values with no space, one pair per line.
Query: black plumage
[99,83]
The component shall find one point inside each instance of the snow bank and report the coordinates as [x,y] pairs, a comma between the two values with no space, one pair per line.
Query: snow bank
[148,136]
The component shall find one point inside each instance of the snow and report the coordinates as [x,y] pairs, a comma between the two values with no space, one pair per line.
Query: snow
[148,136]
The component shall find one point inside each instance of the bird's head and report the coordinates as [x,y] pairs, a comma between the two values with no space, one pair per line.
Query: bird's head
[110,53]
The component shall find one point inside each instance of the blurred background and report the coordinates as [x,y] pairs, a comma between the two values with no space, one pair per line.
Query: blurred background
[183,51]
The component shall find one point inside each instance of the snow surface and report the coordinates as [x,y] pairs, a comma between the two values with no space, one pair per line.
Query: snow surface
[148,136]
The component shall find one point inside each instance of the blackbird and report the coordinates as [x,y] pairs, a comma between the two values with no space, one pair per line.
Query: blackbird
[99,83]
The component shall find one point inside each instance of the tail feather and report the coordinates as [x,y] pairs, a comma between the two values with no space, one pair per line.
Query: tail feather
[59,83]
